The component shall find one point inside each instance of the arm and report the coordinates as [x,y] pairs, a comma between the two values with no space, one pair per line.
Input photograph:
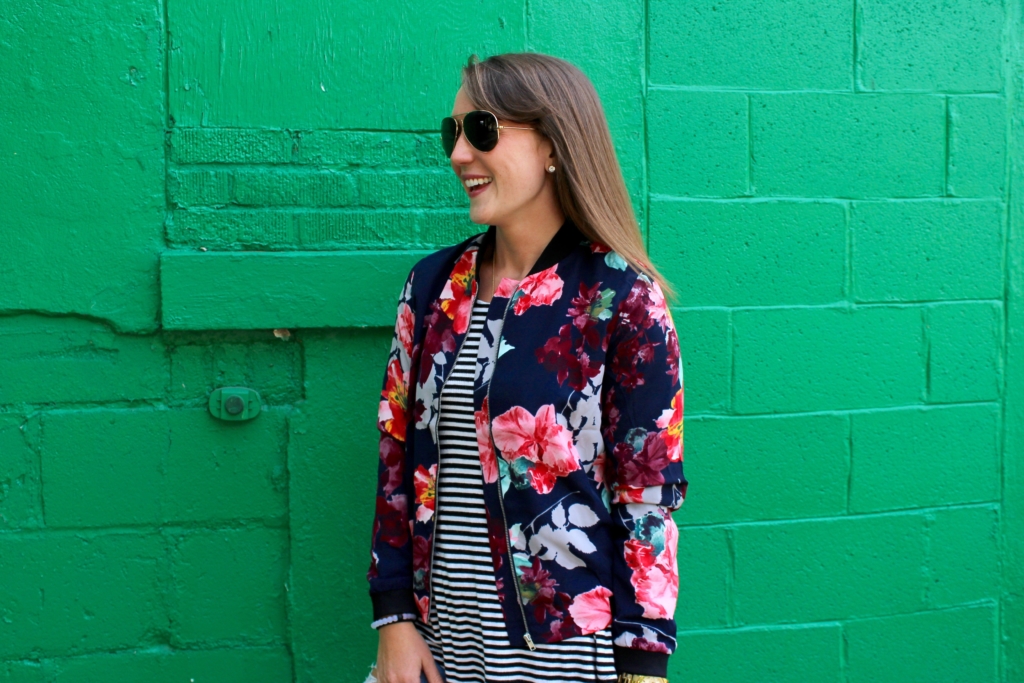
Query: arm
[390,572]
[643,430]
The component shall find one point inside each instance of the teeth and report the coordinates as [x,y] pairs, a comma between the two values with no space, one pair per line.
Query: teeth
[473,182]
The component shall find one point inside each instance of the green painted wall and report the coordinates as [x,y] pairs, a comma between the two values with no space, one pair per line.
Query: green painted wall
[835,189]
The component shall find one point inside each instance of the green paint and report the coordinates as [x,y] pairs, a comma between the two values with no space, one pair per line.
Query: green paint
[832,189]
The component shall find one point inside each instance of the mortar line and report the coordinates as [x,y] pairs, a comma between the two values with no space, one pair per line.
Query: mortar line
[849,464]
[1011,51]
[843,517]
[854,34]
[750,146]
[730,578]
[945,151]
[848,264]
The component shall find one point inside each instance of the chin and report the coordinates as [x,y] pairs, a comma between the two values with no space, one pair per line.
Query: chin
[480,216]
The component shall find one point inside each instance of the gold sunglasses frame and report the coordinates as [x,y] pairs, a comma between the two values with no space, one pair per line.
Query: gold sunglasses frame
[459,129]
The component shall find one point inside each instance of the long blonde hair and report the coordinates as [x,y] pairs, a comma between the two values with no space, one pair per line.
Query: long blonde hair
[562,104]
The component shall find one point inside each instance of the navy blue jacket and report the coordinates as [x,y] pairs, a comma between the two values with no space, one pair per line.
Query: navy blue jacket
[580,427]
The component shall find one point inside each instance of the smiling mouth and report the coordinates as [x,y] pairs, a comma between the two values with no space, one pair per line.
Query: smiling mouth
[476,185]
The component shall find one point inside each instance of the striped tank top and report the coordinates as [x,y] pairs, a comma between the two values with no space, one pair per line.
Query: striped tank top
[467,633]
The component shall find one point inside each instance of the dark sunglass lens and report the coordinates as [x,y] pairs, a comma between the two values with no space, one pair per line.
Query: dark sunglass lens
[481,130]
[449,131]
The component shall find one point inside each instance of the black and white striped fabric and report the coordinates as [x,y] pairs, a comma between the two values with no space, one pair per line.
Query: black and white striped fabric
[467,634]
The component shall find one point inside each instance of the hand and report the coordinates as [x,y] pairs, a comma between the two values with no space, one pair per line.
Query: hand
[402,654]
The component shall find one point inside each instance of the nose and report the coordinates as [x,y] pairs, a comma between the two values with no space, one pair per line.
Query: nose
[463,154]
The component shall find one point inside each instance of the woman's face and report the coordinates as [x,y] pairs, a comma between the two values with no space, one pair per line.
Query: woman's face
[513,173]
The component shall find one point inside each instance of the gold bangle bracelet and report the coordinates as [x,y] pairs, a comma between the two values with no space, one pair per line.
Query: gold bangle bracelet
[640,678]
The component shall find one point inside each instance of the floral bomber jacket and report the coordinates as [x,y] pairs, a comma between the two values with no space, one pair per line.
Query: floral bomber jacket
[580,426]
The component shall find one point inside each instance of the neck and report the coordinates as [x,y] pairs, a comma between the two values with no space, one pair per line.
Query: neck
[519,242]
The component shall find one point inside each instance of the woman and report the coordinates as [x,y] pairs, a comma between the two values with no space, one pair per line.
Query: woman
[531,418]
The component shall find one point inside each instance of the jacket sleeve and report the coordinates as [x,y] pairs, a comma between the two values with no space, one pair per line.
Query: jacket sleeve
[390,574]
[642,424]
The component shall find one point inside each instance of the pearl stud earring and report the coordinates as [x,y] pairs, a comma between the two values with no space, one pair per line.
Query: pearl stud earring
[551,169]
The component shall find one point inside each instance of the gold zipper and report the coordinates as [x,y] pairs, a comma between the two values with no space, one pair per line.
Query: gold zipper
[501,498]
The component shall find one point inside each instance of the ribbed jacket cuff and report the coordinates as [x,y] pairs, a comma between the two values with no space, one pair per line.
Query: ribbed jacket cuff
[396,601]
[629,660]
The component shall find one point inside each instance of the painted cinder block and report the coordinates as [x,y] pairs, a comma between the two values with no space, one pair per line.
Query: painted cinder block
[958,646]
[949,46]
[229,585]
[781,655]
[977,146]
[797,45]
[70,360]
[848,146]
[206,458]
[917,457]
[230,145]
[82,178]
[965,345]
[301,66]
[706,355]
[355,149]
[415,189]
[438,229]
[21,672]
[827,358]
[333,457]
[703,600]
[697,143]
[261,187]
[223,291]
[742,253]
[927,250]
[239,665]
[200,187]
[65,593]
[20,480]
[259,360]
[963,556]
[737,462]
[821,570]
[232,229]
[130,467]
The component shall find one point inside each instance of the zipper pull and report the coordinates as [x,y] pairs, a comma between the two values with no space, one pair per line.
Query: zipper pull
[529,641]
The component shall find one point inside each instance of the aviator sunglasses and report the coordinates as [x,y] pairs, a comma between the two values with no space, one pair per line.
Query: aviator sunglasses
[481,129]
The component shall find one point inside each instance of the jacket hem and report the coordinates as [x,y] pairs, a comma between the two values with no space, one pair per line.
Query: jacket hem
[398,601]
[632,661]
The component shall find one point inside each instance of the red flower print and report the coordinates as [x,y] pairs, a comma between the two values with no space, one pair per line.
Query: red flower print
[392,412]
[539,289]
[506,287]
[438,338]
[393,456]
[671,421]
[655,578]
[391,520]
[568,360]
[426,494]
[404,327]
[592,611]
[539,439]
[598,248]
[457,295]
[643,468]
[538,589]
[424,606]
[488,462]
[542,478]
